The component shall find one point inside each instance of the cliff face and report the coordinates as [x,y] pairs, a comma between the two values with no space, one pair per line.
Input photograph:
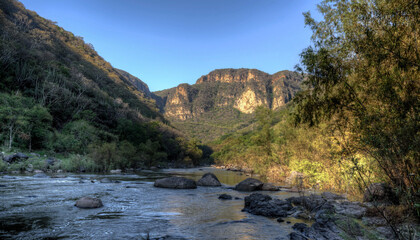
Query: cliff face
[241,89]
[136,82]
[230,94]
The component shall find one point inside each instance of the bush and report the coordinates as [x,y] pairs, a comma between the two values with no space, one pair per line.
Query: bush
[77,163]
[105,156]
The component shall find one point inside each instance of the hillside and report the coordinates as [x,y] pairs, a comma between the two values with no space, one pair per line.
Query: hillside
[84,101]
[224,100]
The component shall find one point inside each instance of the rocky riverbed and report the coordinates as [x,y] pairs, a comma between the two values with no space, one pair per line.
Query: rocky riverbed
[131,207]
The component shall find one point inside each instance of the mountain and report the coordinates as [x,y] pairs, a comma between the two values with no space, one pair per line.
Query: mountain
[224,100]
[38,54]
[84,100]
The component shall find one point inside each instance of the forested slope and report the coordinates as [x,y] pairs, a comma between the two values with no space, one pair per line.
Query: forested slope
[60,96]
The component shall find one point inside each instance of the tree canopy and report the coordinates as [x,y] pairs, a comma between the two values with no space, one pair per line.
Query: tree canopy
[363,77]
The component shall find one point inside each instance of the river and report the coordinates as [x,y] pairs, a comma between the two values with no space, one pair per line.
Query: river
[43,208]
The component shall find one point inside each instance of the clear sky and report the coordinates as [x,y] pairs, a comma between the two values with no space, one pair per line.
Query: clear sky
[169,42]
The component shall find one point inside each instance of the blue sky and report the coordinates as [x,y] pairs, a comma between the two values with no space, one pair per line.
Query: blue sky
[169,42]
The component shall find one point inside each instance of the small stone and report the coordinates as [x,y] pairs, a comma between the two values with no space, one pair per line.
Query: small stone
[225,197]
[89,202]
[280,220]
[40,175]
[105,180]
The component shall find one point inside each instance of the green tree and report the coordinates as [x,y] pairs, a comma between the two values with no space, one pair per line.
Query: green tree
[21,116]
[193,151]
[363,76]
[105,155]
[75,137]
[38,127]
[151,154]
[13,115]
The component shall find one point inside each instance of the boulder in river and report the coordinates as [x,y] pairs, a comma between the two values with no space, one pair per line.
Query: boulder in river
[105,180]
[260,204]
[249,184]
[270,187]
[88,202]
[209,180]
[115,171]
[40,175]
[225,197]
[380,193]
[176,183]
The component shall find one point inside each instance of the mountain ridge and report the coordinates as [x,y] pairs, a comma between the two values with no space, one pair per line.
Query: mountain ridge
[231,94]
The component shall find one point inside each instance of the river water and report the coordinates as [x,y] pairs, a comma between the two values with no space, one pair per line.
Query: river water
[43,208]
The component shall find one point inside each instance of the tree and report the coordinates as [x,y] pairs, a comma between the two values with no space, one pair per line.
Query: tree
[363,76]
[38,126]
[193,151]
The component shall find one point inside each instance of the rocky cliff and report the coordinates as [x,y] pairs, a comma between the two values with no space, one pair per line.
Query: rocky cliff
[229,94]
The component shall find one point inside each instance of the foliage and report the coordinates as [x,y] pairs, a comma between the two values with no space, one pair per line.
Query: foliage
[75,137]
[363,77]
[311,151]
[21,117]
[58,95]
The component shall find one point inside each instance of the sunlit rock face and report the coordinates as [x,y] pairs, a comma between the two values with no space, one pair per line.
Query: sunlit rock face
[249,101]
[234,75]
[241,89]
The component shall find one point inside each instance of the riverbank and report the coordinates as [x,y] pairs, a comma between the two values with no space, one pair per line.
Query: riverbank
[33,162]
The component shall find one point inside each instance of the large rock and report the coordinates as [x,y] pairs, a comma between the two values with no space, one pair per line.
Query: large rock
[249,184]
[380,193]
[311,203]
[175,182]
[88,202]
[350,209]
[209,180]
[15,157]
[331,196]
[260,204]
[297,236]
